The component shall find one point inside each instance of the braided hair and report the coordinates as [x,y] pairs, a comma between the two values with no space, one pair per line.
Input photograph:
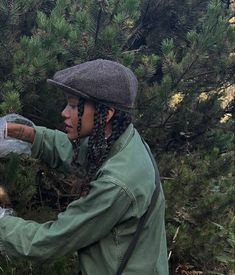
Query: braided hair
[76,142]
[98,145]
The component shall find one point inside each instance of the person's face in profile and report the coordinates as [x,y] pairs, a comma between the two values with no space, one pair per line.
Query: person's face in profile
[70,116]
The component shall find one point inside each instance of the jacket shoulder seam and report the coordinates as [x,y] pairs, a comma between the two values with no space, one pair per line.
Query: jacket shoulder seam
[122,185]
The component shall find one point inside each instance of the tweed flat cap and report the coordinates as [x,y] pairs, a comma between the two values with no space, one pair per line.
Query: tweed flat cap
[100,80]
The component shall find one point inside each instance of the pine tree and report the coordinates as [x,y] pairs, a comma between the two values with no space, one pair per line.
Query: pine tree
[72,32]
[182,55]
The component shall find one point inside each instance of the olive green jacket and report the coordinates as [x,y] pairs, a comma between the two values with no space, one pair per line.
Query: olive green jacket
[101,225]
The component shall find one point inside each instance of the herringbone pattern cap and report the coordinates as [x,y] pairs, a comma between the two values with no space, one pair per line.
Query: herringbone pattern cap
[100,80]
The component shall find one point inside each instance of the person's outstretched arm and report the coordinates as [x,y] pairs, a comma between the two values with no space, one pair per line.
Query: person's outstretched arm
[51,146]
[20,131]
[84,223]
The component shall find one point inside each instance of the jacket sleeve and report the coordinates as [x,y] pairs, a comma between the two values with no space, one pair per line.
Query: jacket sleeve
[52,147]
[84,222]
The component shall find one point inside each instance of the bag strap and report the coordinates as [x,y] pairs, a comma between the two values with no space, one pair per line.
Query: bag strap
[144,218]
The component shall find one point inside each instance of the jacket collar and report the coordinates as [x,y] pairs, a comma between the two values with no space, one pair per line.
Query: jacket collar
[118,146]
[122,141]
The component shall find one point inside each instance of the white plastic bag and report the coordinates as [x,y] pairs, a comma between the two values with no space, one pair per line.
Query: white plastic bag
[13,145]
[6,212]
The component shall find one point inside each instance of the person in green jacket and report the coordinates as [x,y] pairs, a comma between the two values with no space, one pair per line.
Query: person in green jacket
[117,189]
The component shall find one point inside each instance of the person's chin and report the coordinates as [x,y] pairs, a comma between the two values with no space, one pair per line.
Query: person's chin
[71,137]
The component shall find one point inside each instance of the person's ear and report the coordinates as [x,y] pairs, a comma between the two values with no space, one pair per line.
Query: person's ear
[110,114]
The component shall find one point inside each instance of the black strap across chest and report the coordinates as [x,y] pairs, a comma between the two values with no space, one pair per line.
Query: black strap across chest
[144,218]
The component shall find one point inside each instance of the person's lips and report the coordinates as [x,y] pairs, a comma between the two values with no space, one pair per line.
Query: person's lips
[67,127]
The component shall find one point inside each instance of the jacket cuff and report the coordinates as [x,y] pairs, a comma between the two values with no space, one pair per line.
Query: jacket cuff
[37,141]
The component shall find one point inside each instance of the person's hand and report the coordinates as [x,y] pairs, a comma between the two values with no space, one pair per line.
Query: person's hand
[4,198]
[5,204]
[13,137]
[18,119]
[12,118]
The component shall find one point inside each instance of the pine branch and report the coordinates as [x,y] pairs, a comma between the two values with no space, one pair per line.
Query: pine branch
[169,67]
[133,36]
[134,51]
[114,11]
[179,79]
[209,212]
[185,72]
[6,49]
[98,26]
[138,30]
[167,119]
[201,74]
[146,10]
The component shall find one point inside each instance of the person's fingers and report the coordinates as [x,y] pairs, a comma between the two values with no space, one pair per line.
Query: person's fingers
[4,198]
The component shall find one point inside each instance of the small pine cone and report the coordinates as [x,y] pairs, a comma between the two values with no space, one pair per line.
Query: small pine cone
[65,43]
[84,39]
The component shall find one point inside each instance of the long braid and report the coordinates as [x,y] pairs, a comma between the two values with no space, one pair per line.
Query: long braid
[98,146]
[76,142]
[78,172]
[97,143]
[120,122]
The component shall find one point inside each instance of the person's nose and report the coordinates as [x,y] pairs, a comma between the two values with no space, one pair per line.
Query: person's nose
[65,113]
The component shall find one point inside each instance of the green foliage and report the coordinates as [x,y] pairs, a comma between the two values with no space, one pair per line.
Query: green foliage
[18,176]
[65,265]
[200,194]
[69,34]
[11,100]
[181,54]
[204,65]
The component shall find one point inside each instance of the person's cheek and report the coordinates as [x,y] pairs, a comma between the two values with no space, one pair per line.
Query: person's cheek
[74,117]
